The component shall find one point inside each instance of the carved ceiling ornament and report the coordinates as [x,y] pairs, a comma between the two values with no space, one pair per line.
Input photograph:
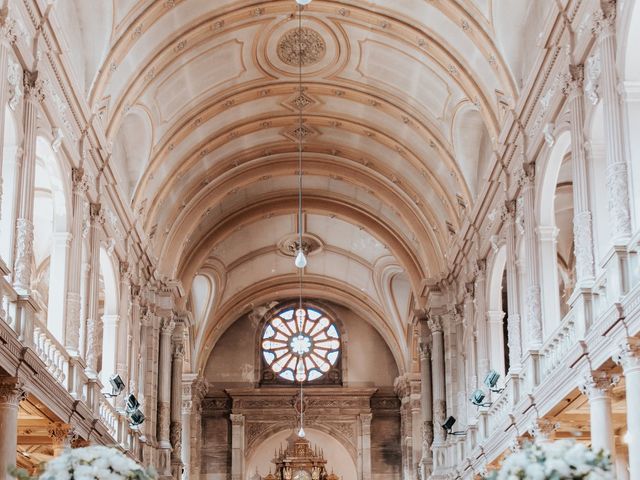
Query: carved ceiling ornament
[303,45]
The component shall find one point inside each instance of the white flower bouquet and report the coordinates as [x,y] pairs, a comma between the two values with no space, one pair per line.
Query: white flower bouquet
[91,463]
[561,460]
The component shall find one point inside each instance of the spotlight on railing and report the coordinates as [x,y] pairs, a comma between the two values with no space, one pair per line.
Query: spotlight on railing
[491,380]
[136,418]
[117,386]
[448,425]
[477,398]
[131,403]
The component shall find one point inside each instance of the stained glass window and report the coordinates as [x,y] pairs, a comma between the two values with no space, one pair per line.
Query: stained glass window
[300,344]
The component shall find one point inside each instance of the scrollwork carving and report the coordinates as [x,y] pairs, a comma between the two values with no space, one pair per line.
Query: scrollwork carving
[302,46]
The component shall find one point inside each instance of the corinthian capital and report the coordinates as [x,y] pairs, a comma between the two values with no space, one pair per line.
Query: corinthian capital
[435,324]
[599,384]
[11,391]
[80,180]
[604,18]
[33,86]
[629,356]
[572,80]
[7,27]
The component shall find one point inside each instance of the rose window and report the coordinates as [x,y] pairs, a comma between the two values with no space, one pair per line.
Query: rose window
[300,344]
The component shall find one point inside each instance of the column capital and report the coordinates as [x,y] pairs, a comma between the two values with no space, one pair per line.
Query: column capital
[8,27]
[33,86]
[424,349]
[237,419]
[96,213]
[508,213]
[604,19]
[629,356]
[543,429]
[11,391]
[60,433]
[80,180]
[365,419]
[435,324]
[167,326]
[598,384]
[572,80]
[526,174]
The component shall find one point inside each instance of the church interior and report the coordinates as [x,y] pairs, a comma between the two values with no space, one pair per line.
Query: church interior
[319,239]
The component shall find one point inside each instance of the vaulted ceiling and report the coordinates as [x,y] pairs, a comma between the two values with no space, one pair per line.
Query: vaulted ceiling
[402,103]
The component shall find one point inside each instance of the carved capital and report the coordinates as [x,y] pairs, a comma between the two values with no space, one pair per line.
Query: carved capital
[178,350]
[435,324]
[11,391]
[80,180]
[237,419]
[604,19]
[573,80]
[33,86]
[7,27]
[96,214]
[167,326]
[543,429]
[60,433]
[629,356]
[598,384]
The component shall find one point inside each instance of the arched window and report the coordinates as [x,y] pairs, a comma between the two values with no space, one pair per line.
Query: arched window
[301,344]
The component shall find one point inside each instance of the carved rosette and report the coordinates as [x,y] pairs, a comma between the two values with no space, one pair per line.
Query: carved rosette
[618,190]
[11,391]
[301,46]
[583,245]
[24,253]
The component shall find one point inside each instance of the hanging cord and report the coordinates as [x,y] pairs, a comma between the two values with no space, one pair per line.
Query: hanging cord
[300,92]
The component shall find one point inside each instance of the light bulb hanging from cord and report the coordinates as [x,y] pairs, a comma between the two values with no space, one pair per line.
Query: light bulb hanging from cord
[301,259]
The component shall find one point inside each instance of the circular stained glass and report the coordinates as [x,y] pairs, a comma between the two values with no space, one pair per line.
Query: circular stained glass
[300,344]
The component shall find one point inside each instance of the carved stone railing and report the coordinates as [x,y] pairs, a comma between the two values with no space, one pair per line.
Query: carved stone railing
[52,353]
[109,417]
[555,349]
[499,410]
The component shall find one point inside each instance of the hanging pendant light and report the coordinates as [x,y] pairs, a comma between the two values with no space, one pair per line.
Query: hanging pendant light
[301,259]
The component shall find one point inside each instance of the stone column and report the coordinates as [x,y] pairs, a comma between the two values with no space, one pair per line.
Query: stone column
[513,320]
[109,347]
[365,429]
[7,39]
[194,389]
[124,325]
[237,446]
[33,96]
[629,359]
[164,397]
[481,319]
[604,28]
[426,400]
[598,386]
[495,319]
[74,264]
[533,332]
[582,228]
[175,431]
[439,392]
[403,391]
[135,358]
[11,394]
[94,334]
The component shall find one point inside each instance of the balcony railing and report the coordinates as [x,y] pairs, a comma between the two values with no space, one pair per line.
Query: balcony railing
[51,352]
[555,349]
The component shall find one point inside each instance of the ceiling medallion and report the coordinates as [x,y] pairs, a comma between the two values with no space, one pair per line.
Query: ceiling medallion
[290,244]
[301,46]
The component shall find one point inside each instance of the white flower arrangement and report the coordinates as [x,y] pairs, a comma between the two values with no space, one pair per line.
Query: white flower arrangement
[91,463]
[561,460]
